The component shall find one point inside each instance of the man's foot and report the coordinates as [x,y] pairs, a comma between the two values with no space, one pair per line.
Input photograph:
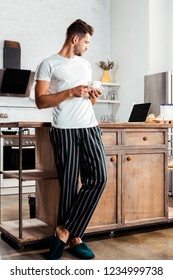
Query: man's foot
[62,233]
[56,247]
[82,251]
[59,239]
[75,241]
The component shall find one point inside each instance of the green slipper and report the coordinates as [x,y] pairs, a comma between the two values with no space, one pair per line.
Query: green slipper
[56,248]
[82,251]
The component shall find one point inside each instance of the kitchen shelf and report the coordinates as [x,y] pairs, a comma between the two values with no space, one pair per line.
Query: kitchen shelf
[34,174]
[24,231]
[110,84]
[108,101]
[110,93]
[34,230]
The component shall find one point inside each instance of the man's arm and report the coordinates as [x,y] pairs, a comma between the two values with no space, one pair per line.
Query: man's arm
[44,99]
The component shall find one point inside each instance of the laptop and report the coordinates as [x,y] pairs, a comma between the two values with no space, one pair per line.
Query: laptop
[139,112]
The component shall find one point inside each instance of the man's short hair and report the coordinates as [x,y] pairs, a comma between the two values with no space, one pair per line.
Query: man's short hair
[80,28]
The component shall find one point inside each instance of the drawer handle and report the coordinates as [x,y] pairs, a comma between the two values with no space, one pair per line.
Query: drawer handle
[145,138]
[112,158]
[129,158]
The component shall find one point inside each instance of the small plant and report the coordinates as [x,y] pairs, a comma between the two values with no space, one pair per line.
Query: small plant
[106,66]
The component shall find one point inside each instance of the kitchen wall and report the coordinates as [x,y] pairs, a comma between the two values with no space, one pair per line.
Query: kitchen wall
[142,43]
[130,49]
[39,26]
[136,34]
[160,35]
[170,32]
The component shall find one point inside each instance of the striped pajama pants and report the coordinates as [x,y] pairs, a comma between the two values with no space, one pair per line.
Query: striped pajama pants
[79,152]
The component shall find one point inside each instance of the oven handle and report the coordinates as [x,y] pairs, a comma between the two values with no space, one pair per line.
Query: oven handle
[23,147]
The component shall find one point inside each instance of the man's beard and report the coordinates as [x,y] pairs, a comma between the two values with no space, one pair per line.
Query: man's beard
[78,53]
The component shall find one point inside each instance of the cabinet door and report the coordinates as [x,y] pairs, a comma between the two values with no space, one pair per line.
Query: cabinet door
[144,187]
[105,214]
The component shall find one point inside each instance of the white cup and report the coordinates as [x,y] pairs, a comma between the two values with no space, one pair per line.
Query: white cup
[96,84]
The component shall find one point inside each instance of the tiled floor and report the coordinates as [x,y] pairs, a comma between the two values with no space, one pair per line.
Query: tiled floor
[154,243]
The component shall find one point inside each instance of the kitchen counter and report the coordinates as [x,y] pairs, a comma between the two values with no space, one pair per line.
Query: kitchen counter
[134,195]
[24,124]
[136,125]
[102,125]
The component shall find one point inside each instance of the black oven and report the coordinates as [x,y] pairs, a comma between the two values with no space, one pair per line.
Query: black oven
[11,153]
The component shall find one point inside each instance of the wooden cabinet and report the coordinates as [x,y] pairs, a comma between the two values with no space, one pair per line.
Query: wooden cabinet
[105,215]
[144,176]
[137,176]
[143,187]
[136,192]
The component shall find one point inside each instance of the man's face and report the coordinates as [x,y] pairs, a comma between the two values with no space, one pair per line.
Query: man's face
[81,45]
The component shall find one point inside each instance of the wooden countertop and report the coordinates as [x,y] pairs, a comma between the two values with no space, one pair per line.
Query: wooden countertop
[25,124]
[102,125]
[136,125]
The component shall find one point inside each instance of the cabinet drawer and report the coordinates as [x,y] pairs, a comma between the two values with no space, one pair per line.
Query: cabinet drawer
[110,138]
[144,138]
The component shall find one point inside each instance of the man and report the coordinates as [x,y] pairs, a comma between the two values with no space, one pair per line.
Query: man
[62,83]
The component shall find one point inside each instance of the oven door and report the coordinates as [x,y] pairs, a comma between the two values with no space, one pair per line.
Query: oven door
[9,160]
[11,157]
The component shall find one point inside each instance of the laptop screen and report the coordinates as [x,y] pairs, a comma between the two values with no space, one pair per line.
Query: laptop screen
[139,112]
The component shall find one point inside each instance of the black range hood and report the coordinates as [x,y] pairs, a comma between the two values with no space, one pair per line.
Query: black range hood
[16,82]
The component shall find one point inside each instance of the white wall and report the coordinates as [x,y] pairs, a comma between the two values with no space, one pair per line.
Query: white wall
[40,25]
[142,43]
[136,34]
[159,35]
[170,34]
[130,50]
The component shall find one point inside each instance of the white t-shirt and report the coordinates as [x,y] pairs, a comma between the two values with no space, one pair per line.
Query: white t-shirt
[65,73]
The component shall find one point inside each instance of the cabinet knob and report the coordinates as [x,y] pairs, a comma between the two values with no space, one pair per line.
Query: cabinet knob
[129,158]
[112,158]
[145,138]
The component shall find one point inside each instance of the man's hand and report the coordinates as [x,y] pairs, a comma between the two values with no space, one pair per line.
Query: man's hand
[84,91]
[79,91]
[94,93]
